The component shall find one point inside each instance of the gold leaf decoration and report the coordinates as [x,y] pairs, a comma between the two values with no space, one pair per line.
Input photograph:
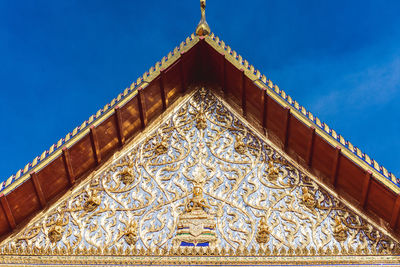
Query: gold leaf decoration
[201,177]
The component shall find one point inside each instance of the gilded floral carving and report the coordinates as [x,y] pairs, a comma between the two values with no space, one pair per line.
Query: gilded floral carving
[202,178]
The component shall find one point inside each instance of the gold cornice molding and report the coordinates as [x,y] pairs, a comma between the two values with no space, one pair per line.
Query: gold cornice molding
[199,258]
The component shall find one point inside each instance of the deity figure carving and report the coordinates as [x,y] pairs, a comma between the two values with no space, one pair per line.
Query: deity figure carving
[56,231]
[161,147]
[201,121]
[263,233]
[195,226]
[93,201]
[197,202]
[131,233]
[339,230]
[240,146]
[273,172]
[307,198]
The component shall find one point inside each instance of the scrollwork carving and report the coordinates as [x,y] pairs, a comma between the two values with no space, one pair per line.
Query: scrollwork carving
[201,178]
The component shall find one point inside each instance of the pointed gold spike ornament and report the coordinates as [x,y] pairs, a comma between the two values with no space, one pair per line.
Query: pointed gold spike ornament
[203,29]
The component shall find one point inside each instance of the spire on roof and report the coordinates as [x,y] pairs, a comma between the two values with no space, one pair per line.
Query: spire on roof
[203,29]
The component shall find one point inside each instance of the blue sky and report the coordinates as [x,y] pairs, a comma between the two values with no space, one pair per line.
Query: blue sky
[61,61]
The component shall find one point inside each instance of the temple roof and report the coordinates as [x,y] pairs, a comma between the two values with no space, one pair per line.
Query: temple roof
[207,60]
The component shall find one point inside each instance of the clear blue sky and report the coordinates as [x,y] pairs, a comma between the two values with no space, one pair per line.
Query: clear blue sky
[61,61]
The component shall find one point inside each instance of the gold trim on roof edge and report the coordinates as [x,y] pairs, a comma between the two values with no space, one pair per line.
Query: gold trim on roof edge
[300,112]
[102,114]
[330,135]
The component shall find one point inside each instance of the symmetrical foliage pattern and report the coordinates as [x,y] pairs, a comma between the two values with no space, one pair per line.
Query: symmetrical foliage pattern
[201,160]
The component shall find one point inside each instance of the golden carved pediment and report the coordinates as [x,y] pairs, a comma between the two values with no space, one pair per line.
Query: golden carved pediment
[202,183]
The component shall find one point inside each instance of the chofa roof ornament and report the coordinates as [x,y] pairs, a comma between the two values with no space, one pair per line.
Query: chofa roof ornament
[202,28]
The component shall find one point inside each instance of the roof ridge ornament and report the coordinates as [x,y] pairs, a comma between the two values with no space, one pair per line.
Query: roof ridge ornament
[202,28]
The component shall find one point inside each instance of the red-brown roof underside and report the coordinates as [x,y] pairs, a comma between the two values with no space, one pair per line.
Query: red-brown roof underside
[202,63]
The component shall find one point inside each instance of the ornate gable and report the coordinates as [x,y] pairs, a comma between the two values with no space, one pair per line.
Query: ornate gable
[201,182]
[169,173]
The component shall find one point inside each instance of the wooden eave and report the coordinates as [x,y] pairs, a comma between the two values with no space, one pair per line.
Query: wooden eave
[303,137]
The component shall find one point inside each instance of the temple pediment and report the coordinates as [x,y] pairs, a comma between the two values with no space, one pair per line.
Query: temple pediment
[198,183]
[201,161]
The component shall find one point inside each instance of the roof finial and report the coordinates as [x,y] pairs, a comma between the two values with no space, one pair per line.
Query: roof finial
[203,29]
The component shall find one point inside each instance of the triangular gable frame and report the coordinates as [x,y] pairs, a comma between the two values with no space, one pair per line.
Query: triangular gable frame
[341,253]
[201,59]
